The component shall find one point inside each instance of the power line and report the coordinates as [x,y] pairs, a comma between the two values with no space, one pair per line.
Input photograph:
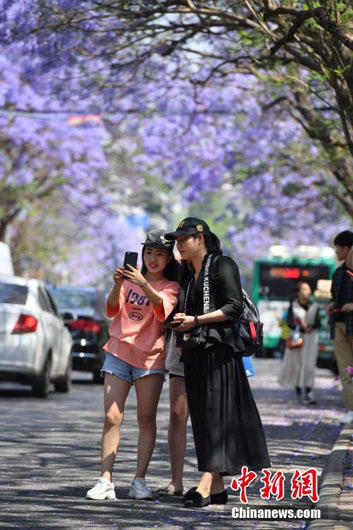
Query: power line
[77,118]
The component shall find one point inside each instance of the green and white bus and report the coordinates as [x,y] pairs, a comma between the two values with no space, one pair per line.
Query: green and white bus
[274,282]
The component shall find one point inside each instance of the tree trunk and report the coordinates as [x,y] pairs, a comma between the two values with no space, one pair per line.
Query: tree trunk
[5,221]
[3,227]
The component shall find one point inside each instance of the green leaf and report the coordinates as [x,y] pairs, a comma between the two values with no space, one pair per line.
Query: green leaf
[341,7]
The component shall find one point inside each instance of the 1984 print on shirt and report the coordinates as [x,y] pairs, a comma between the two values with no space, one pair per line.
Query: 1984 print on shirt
[136,298]
[136,333]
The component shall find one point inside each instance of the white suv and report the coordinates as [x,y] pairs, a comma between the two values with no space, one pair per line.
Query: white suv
[35,345]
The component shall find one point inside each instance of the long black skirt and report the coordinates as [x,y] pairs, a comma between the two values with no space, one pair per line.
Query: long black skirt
[227,428]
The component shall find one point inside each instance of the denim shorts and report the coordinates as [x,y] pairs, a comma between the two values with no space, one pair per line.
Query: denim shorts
[114,365]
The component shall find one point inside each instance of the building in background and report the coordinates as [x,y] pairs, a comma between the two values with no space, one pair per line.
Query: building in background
[6,267]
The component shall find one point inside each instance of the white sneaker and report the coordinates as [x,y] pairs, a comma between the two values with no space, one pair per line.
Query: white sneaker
[102,490]
[139,490]
[309,399]
[348,418]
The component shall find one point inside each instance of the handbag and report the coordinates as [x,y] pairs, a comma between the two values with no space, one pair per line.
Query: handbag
[295,339]
[197,336]
[194,338]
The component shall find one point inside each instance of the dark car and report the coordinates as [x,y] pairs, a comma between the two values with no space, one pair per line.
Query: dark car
[89,330]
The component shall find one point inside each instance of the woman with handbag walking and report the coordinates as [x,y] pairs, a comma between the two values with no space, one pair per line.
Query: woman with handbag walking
[227,428]
[298,368]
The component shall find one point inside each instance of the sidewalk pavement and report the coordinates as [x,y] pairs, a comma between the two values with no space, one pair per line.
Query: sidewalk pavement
[336,491]
[50,457]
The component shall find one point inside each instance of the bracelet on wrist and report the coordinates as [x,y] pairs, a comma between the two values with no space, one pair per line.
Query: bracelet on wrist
[196,321]
[144,284]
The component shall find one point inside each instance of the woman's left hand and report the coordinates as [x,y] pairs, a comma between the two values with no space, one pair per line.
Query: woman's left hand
[134,275]
[187,321]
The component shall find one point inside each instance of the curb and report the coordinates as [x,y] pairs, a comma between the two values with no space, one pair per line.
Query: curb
[332,482]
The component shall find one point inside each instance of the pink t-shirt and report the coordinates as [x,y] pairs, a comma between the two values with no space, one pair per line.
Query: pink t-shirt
[136,333]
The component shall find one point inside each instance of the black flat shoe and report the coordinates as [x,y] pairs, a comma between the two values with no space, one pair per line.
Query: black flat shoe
[197,501]
[219,498]
[188,494]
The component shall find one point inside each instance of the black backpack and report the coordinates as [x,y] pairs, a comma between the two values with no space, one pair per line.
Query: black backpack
[249,327]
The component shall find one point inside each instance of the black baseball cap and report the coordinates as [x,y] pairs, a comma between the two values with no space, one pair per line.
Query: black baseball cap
[157,239]
[190,226]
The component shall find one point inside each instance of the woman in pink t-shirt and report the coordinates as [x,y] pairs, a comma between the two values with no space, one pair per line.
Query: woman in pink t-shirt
[140,302]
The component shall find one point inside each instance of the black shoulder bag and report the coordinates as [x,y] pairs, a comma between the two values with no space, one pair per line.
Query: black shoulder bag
[196,337]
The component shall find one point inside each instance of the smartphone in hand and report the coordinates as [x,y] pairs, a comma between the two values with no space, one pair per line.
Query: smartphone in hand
[173,324]
[130,258]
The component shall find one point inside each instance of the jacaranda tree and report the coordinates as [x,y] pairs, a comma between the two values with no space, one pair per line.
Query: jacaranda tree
[247,99]
[301,52]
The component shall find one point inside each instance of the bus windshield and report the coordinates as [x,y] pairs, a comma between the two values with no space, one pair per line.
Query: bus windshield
[278,281]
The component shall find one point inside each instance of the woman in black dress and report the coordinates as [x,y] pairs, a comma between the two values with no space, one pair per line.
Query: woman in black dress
[227,428]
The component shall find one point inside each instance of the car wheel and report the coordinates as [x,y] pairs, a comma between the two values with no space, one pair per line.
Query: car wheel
[97,377]
[64,383]
[41,386]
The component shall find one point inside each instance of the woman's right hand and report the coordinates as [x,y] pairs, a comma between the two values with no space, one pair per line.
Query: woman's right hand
[185,322]
[118,276]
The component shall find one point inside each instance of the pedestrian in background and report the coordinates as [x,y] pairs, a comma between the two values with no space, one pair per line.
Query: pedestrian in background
[140,302]
[285,333]
[340,310]
[349,263]
[298,367]
[227,428]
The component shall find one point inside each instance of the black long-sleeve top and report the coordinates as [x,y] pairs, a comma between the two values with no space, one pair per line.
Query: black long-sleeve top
[225,294]
[342,292]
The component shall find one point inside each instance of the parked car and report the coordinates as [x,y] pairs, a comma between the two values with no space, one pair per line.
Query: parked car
[90,330]
[35,345]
